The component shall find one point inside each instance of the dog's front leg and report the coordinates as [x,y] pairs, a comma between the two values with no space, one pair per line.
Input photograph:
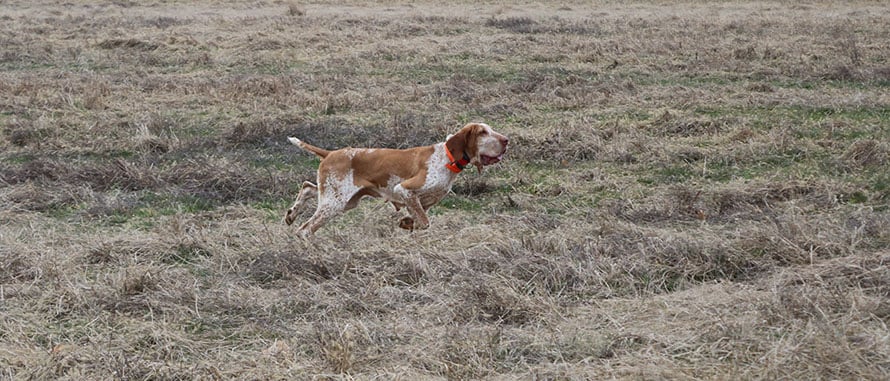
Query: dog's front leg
[418,218]
[407,191]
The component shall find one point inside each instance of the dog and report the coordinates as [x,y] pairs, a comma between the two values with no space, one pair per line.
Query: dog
[413,178]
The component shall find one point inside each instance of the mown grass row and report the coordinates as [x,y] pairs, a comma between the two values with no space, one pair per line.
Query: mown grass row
[685,196]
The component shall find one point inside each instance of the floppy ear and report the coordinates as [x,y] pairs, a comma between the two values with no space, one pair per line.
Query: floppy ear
[457,143]
[464,141]
[472,148]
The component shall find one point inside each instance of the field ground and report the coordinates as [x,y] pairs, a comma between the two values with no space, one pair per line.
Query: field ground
[695,190]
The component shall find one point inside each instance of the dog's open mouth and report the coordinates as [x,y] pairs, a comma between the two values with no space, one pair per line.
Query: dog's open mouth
[489,160]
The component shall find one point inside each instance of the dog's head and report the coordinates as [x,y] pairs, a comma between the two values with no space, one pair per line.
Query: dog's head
[481,144]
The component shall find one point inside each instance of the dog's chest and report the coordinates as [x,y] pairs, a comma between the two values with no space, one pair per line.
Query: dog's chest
[436,185]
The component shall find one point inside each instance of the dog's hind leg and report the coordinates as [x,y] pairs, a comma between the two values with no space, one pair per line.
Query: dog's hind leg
[308,191]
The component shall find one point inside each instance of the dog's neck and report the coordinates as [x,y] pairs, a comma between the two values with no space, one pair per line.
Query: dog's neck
[456,166]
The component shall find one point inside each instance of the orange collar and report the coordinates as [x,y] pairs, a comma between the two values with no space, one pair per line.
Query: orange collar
[456,165]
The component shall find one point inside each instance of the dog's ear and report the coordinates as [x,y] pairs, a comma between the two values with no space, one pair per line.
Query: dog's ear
[457,143]
[464,141]
[473,132]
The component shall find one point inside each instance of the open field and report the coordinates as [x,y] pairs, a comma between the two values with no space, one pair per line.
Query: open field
[694,190]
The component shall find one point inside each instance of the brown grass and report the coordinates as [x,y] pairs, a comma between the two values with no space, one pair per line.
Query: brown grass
[695,190]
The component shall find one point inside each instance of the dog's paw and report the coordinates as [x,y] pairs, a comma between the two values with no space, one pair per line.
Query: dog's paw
[290,216]
[406,223]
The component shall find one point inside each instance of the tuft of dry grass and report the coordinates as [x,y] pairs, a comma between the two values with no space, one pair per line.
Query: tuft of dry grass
[867,153]
[294,9]
[693,191]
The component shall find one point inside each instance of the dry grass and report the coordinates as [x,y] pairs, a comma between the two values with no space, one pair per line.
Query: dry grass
[696,190]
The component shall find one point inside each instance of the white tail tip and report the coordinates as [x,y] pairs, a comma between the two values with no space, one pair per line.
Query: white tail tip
[294,141]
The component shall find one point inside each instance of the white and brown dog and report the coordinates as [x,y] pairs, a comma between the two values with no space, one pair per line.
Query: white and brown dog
[415,178]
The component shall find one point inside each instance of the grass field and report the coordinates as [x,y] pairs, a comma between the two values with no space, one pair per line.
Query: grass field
[694,190]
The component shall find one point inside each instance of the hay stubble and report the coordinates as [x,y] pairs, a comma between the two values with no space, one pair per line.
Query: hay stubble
[696,190]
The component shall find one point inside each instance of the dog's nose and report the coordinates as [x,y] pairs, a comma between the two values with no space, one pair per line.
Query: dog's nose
[505,140]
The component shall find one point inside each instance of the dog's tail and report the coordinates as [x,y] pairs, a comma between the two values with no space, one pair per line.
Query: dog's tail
[321,152]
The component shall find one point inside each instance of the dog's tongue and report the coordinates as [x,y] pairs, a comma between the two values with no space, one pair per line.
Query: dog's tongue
[489,160]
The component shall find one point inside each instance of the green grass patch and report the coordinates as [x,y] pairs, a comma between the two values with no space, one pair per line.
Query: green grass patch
[826,83]
[721,79]
[590,199]
[152,205]
[694,81]
[188,204]
[765,165]
[18,158]
[460,203]
[63,210]
[186,253]
[274,205]
[880,185]
[857,197]
[99,155]
[841,123]
[668,174]
[859,114]
[470,70]
[801,113]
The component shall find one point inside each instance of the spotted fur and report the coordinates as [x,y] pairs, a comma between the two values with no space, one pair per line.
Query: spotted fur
[414,178]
